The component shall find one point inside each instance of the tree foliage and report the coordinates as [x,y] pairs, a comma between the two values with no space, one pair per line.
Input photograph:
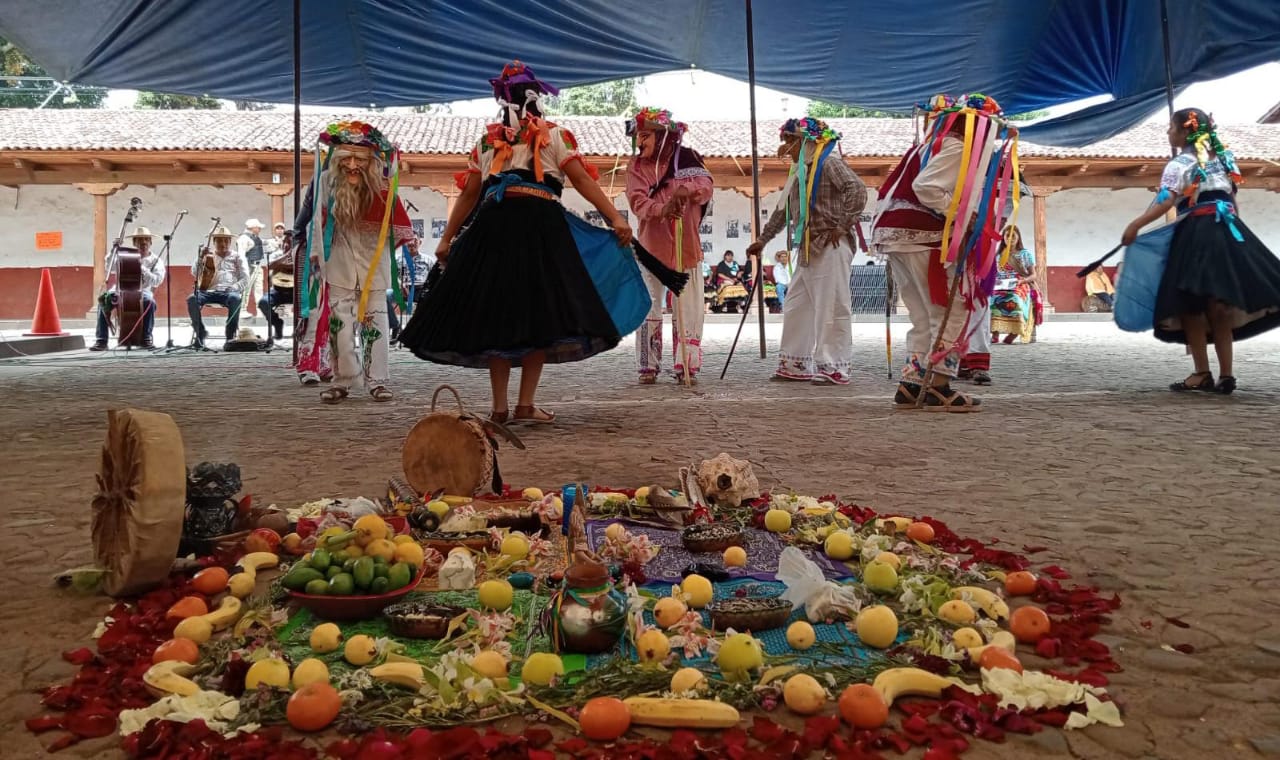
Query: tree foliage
[166,102]
[253,105]
[616,98]
[16,93]
[821,109]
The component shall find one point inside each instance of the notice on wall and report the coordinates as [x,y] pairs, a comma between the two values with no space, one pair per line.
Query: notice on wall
[49,241]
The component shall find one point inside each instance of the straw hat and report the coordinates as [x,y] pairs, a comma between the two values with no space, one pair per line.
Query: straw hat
[251,223]
[246,333]
[141,232]
[223,232]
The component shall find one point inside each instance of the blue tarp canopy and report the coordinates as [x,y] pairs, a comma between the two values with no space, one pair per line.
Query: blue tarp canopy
[1029,54]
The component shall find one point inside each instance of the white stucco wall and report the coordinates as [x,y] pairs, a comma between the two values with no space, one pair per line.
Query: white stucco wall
[1082,224]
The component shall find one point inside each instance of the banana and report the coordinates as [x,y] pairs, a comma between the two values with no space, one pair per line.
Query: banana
[227,613]
[1001,640]
[256,561]
[900,524]
[989,601]
[456,501]
[406,674]
[681,713]
[169,677]
[902,682]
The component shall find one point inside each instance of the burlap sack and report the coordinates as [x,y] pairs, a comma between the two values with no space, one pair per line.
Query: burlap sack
[137,514]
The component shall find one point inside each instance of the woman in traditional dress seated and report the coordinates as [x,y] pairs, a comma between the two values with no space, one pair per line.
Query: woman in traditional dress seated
[1012,304]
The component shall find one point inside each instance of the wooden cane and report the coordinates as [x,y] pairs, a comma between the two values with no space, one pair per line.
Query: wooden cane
[888,305]
[939,343]
[687,374]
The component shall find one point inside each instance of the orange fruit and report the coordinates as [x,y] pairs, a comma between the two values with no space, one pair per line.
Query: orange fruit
[313,706]
[862,706]
[920,531]
[187,606]
[1029,624]
[211,580]
[995,657]
[604,719]
[1020,583]
[183,650]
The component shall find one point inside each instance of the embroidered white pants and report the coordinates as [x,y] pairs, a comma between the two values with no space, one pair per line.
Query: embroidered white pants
[911,275]
[692,311]
[817,316]
[359,349]
[980,330]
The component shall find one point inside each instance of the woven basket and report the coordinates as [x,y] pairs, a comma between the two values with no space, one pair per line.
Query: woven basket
[758,614]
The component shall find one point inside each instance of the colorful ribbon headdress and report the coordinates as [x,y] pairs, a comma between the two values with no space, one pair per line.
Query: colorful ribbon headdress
[363,135]
[808,128]
[518,73]
[808,171]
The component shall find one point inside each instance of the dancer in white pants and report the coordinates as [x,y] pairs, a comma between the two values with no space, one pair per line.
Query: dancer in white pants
[824,198]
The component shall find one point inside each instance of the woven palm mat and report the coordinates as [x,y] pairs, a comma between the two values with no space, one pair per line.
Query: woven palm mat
[295,635]
[763,549]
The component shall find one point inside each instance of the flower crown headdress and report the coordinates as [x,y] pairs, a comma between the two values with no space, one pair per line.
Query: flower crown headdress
[808,128]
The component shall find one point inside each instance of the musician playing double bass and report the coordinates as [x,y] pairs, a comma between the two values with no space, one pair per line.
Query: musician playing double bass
[280,265]
[152,276]
[221,276]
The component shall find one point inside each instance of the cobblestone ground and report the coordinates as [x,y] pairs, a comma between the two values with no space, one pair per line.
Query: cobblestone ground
[1168,500]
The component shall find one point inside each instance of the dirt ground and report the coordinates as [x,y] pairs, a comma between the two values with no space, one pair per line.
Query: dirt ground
[1169,500]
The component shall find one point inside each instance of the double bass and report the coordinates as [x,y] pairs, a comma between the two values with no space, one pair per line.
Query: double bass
[130,306]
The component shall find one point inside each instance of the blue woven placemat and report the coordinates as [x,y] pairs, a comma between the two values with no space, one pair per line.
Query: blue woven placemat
[763,549]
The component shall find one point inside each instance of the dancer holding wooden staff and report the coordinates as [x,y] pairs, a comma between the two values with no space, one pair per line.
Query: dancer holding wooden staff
[668,189]
[939,219]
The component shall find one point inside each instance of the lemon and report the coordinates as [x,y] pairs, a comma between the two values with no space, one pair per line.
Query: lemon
[490,664]
[325,638]
[531,494]
[653,646]
[957,611]
[740,654]
[615,531]
[360,650]
[800,635]
[372,525]
[380,547]
[839,546]
[541,668]
[438,508]
[890,559]
[642,494]
[308,671]
[966,638]
[515,545]
[271,672]
[195,628]
[735,556]
[777,520]
[879,576]
[669,611]
[242,584]
[803,694]
[496,595]
[699,590]
[409,551]
[403,538]
[688,679]
[877,626]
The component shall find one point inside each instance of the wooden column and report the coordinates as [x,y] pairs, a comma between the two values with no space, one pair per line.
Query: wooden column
[100,193]
[1039,194]
[277,193]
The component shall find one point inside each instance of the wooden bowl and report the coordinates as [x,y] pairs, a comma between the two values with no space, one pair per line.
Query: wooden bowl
[749,614]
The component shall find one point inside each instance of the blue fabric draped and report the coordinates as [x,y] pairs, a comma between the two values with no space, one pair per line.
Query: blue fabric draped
[615,273]
[1144,263]
[861,53]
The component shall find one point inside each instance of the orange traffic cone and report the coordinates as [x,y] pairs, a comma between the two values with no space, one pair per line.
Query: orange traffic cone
[46,320]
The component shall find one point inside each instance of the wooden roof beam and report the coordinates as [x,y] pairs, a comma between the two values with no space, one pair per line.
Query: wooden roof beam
[181,166]
[1137,171]
[101,165]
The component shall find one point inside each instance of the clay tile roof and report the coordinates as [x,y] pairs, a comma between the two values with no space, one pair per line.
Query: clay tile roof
[89,129]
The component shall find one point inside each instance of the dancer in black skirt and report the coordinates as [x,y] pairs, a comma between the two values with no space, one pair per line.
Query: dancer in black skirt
[1220,284]
[515,289]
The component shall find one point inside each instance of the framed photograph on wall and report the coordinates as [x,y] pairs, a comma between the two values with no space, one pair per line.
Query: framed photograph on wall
[706,246]
[437,227]
[711,206]
[419,228]
[746,228]
[595,217]
[704,228]
[731,228]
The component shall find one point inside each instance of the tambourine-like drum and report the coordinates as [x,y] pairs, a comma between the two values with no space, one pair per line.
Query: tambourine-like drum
[456,453]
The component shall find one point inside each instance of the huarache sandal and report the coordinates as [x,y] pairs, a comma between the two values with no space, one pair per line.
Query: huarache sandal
[947,399]
[309,378]
[1226,385]
[1204,383]
[648,379]
[381,393]
[533,415]
[499,417]
[981,377]
[907,395]
[333,395]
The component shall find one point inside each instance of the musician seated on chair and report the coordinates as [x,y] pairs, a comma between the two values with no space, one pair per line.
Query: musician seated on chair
[280,265]
[152,276]
[221,277]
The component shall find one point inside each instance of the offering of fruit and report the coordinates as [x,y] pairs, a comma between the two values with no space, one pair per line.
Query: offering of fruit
[877,626]
[360,650]
[862,706]
[271,672]
[604,718]
[380,567]
[735,556]
[740,654]
[496,595]
[490,664]
[920,531]
[699,590]
[653,646]
[669,611]
[1029,624]
[839,546]
[541,668]
[313,707]
[777,520]
[800,635]
[688,679]
[880,577]
[803,694]
[262,540]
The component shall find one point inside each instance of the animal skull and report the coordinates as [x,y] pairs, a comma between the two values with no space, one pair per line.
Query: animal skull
[728,481]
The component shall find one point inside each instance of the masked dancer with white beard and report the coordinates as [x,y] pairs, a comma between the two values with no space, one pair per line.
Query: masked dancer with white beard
[356,225]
